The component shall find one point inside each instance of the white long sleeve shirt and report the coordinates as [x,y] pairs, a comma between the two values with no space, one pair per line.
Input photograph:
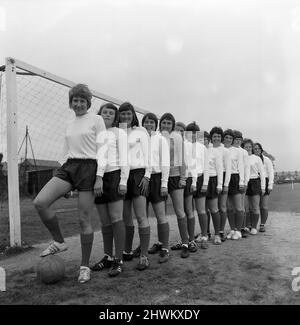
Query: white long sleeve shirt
[257,169]
[138,149]
[177,162]
[81,138]
[112,154]
[196,158]
[269,171]
[160,157]
[246,166]
[226,159]
[237,163]
[215,165]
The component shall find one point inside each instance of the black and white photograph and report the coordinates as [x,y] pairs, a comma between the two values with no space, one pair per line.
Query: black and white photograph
[149,161]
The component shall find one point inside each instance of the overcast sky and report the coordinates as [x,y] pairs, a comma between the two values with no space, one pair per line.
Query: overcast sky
[232,63]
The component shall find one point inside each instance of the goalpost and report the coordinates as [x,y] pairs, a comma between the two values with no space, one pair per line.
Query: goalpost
[37,100]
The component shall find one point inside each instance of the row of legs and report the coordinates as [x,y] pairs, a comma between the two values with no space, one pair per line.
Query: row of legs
[117,221]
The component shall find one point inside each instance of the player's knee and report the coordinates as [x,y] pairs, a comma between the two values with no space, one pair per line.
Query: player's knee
[115,217]
[189,213]
[223,209]
[143,222]
[162,219]
[39,204]
[255,210]
[85,226]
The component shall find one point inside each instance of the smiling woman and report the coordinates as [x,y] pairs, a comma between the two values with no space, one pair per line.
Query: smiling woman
[78,172]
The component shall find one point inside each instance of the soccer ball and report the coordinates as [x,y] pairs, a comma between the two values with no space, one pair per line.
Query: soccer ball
[50,269]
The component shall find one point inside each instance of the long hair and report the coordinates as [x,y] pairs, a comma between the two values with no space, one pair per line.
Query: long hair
[129,107]
[113,107]
[261,150]
[167,116]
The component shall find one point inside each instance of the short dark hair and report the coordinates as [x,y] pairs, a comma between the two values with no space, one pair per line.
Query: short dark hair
[206,135]
[167,116]
[247,141]
[150,116]
[228,132]
[237,134]
[111,106]
[83,91]
[194,127]
[129,107]
[180,124]
[216,130]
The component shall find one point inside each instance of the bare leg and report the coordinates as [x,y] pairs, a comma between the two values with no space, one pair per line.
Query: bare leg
[52,191]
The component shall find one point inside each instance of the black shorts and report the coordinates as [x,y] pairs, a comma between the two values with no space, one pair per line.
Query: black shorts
[173,183]
[134,180]
[111,182]
[212,188]
[198,192]
[80,173]
[234,184]
[254,187]
[187,188]
[154,189]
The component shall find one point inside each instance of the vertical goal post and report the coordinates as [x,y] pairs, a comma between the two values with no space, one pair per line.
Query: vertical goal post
[12,69]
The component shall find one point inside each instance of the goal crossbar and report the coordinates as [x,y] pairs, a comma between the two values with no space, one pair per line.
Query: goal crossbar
[11,69]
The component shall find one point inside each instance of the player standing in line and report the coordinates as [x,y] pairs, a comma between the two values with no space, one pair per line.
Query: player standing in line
[256,185]
[158,187]
[269,173]
[180,127]
[222,199]
[110,204]
[237,142]
[215,183]
[200,159]
[137,185]
[198,238]
[177,179]
[79,170]
[191,186]
[236,186]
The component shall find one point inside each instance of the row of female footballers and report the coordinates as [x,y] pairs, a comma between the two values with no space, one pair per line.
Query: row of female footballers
[210,177]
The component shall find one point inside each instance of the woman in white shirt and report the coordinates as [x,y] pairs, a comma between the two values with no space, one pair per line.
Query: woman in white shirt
[191,181]
[200,174]
[79,172]
[223,196]
[158,187]
[256,185]
[237,142]
[269,172]
[215,183]
[236,187]
[177,178]
[115,171]
[137,184]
